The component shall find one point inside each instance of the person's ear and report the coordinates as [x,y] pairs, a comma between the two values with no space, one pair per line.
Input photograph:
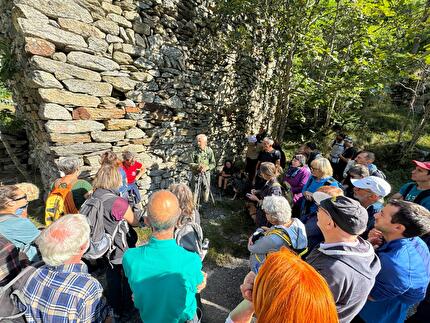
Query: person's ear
[400,228]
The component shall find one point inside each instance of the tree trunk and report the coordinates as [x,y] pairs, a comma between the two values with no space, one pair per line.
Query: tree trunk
[12,156]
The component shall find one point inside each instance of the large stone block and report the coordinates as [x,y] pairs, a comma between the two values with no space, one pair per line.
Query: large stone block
[122,58]
[53,111]
[75,126]
[23,11]
[80,149]
[120,83]
[132,148]
[97,114]
[120,124]
[120,20]
[89,87]
[111,8]
[80,28]
[107,136]
[134,133]
[68,139]
[55,35]
[69,98]
[92,62]
[107,26]
[38,79]
[38,46]
[98,45]
[60,9]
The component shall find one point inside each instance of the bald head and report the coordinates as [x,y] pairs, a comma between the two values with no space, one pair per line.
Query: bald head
[163,210]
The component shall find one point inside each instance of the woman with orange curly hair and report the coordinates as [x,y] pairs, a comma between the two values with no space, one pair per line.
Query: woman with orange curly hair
[286,290]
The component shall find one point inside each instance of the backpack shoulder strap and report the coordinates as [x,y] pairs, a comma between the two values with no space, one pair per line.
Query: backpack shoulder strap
[420,197]
[408,189]
[22,273]
[4,218]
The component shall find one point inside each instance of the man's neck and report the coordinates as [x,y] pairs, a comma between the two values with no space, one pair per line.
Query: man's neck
[74,260]
[392,236]
[423,185]
[338,239]
[163,235]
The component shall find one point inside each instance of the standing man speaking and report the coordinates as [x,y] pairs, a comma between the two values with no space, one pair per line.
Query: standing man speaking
[202,162]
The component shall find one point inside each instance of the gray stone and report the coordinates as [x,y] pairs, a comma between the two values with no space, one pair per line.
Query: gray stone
[92,62]
[124,35]
[107,26]
[59,56]
[24,11]
[60,68]
[134,133]
[54,35]
[122,58]
[53,111]
[76,126]
[131,15]
[131,35]
[60,9]
[38,79]
[107,136]
[142,28]
[97,44]
[144,63]
[120,83]
[114,39]
[140,41]
[120,20]
[80,28]
[80,149]
[132,148]
[65,97]
[133,50]
[89,87]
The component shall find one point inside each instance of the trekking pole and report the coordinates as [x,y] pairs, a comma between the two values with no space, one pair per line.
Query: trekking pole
[208,185]
[197,191]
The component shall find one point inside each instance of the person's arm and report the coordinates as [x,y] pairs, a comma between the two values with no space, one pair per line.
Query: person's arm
[130,217]
[140,170]
[303,179]
[262,245]
[93,306]
[242,313]
[212,162]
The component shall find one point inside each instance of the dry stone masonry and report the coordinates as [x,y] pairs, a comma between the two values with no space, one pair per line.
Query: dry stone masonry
[144,76]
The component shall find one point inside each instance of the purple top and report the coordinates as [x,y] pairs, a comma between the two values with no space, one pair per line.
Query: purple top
[297,178]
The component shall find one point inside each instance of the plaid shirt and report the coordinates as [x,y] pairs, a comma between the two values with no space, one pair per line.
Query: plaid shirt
[10,265]
[65,293]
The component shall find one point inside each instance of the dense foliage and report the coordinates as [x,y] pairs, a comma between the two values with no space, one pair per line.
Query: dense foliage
[332,59]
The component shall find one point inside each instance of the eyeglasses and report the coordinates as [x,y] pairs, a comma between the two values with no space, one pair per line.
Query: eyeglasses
[313,168]
[20,198]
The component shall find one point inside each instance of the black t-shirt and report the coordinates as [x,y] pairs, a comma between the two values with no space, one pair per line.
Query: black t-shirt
[348,153]
[271,157]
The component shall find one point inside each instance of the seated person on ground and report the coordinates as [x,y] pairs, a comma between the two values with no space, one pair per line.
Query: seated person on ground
[62,290]
[417,191]
[14,224]
[296,176]
[224,178]
[284,232]
[134,170]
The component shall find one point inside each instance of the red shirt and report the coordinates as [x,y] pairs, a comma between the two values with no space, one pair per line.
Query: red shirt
[131,171]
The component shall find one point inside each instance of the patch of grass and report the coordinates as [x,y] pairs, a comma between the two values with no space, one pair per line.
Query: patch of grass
[143,234]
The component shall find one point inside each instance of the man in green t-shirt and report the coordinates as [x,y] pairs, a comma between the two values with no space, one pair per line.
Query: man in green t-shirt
[163,276]
[202,163]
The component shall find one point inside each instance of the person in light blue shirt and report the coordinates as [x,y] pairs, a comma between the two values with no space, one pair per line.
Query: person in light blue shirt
[285,232]
[14,224]
[405,262]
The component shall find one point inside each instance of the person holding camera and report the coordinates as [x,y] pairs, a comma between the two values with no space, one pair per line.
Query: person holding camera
[284,232]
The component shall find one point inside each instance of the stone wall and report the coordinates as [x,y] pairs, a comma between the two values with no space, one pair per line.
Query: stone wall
[144,76]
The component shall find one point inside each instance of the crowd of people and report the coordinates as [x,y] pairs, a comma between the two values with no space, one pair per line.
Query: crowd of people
[327,246]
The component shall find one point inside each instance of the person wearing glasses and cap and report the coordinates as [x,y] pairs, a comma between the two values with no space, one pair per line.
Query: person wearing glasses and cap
[14,224]
[347,262]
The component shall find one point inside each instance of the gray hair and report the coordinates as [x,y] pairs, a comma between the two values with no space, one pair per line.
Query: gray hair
[69,165]
[269,141]
[203,136]
[278,208]
[63,239]
[128,155]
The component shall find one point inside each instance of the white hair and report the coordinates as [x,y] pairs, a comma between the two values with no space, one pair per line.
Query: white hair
[269,141]
[203,136]
[68,165]
[63,239]
[278,208]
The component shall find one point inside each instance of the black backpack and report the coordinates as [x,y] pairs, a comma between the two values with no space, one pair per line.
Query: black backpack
[101,242]
[420,197]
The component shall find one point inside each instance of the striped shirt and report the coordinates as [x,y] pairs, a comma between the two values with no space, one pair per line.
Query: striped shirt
[10,265]
[65,293]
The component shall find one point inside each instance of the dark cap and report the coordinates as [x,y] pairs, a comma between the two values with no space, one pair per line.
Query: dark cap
[347,213]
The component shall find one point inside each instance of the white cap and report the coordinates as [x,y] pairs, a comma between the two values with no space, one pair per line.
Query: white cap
[320,196]
[252,139]
[377,185]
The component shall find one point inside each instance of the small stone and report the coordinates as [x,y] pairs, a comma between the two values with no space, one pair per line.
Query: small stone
[89,87]
[38,46]
[38,79]
[80,149]
[80,28]
[60,9]
[134,133]
[107,26]
[53,111]
[122,58]
[140,41]
[131,15]
[75,126]
[133,50]
[114,39]
[59,56]
[144,63]
[97,44]
[107,136]
[142,76]
[68,139]
[131,35]
[111,8]
[92,62]
[92,160]
[56,67]
[142,28]
[120,20]
[120,124]
[109,101]
[121,83]
[57,36]
[85,113]
[65,97]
